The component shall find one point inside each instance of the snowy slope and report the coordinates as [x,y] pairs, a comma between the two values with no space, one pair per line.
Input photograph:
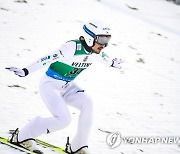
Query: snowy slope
[142,99]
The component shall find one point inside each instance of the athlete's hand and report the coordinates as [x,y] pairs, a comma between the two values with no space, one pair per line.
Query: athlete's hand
[116,62]
[20,72]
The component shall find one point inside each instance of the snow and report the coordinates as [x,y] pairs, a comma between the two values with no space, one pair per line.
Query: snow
[141,99]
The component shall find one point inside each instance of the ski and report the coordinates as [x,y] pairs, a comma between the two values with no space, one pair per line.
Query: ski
[7,143]
[39,142]
[50,146]
[46,145]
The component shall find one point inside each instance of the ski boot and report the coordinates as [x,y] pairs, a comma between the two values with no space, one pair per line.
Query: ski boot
[29,144]
[82,150]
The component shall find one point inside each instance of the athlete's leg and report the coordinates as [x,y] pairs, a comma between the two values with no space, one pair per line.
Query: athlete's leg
[80,100]
[49,91]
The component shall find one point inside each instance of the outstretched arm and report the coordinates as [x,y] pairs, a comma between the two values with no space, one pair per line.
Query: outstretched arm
[65,51]
[38,64]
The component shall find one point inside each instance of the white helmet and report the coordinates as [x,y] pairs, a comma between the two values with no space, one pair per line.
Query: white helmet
[96,31]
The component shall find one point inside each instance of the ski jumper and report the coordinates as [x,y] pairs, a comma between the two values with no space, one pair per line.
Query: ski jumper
[58,90]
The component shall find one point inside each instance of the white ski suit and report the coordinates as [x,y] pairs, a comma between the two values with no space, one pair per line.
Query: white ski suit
[58,90]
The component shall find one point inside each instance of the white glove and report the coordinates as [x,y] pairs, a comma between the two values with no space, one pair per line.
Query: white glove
[116,63]
[20,72]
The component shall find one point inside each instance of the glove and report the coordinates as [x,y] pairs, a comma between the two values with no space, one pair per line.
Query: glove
[20,72]
[116,63]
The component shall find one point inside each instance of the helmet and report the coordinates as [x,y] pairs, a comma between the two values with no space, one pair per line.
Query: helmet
[96,31]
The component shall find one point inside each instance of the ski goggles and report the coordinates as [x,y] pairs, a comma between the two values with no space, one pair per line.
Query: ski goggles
[102,39]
